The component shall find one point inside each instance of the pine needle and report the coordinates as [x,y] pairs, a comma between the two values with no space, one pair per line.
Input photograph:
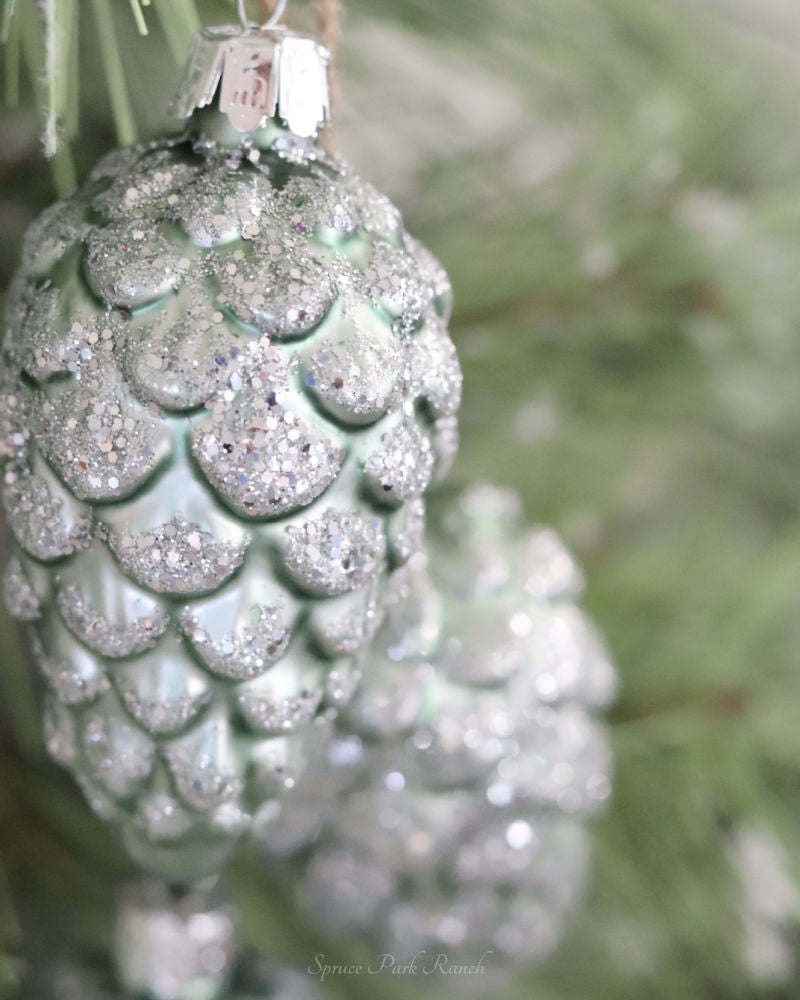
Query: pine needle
[72,112]
[180,24]
[11,38]
[138,16]
[9,9]
[191,18]
[62,165]
[50,17]
[58,17]
[115,75]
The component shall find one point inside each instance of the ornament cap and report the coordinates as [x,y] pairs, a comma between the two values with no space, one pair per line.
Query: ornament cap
[256,75]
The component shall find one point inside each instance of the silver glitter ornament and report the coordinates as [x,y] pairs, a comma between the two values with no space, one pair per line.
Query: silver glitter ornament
[449,814]
[225,367]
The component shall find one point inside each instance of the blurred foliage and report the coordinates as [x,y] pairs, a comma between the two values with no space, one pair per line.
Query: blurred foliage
[613,186]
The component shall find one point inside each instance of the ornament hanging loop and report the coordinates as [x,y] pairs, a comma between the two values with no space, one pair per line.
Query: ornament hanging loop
[271,21]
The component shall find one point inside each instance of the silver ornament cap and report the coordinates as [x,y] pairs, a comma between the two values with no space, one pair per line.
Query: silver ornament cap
[257,74]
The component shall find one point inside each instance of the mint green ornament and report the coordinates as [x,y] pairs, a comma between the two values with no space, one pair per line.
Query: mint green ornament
[227,384]
[449,815]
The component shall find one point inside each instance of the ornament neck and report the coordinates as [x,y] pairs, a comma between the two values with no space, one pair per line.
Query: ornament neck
[213,126]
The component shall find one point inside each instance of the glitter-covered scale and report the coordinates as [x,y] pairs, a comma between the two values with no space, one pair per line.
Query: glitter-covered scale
[227,382]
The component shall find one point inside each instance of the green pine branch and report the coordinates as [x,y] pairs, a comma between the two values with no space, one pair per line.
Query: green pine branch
[46,38]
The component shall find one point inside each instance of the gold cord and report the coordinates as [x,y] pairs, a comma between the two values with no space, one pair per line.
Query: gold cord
[328,18]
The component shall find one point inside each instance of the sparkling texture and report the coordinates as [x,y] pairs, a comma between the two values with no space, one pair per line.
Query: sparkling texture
[402,468]
[75,681]
[62,331]
[15,408]
[394,283]
[437,370]
[278,715]
[348,628]
[407,530]
[129,264]
[244,654]
[177,557]
[102,443]
[179,354]
[163,818]
[318,203]
[40,522]
[20,598]
[229,205]
[201,783]
[433,275]
[262,458]
[276,285]
[206,347]
[339,552]
[120,756]
[59,732]
[357,380]
[160,716]
[40,352]
[100,634]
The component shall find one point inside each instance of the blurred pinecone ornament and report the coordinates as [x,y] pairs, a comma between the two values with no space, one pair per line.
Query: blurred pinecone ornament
[172,944]
[449,815]
[175,944]
[227,383]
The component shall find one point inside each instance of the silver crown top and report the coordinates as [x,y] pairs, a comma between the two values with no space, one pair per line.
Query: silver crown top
[259,74]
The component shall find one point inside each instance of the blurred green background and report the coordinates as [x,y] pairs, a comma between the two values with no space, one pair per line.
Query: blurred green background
[614,186]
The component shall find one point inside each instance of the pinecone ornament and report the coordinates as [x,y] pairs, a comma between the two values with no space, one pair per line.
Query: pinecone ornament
[172,943]
[175,944]
[182,944]
[227,383]
[458,788]
[254,979]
